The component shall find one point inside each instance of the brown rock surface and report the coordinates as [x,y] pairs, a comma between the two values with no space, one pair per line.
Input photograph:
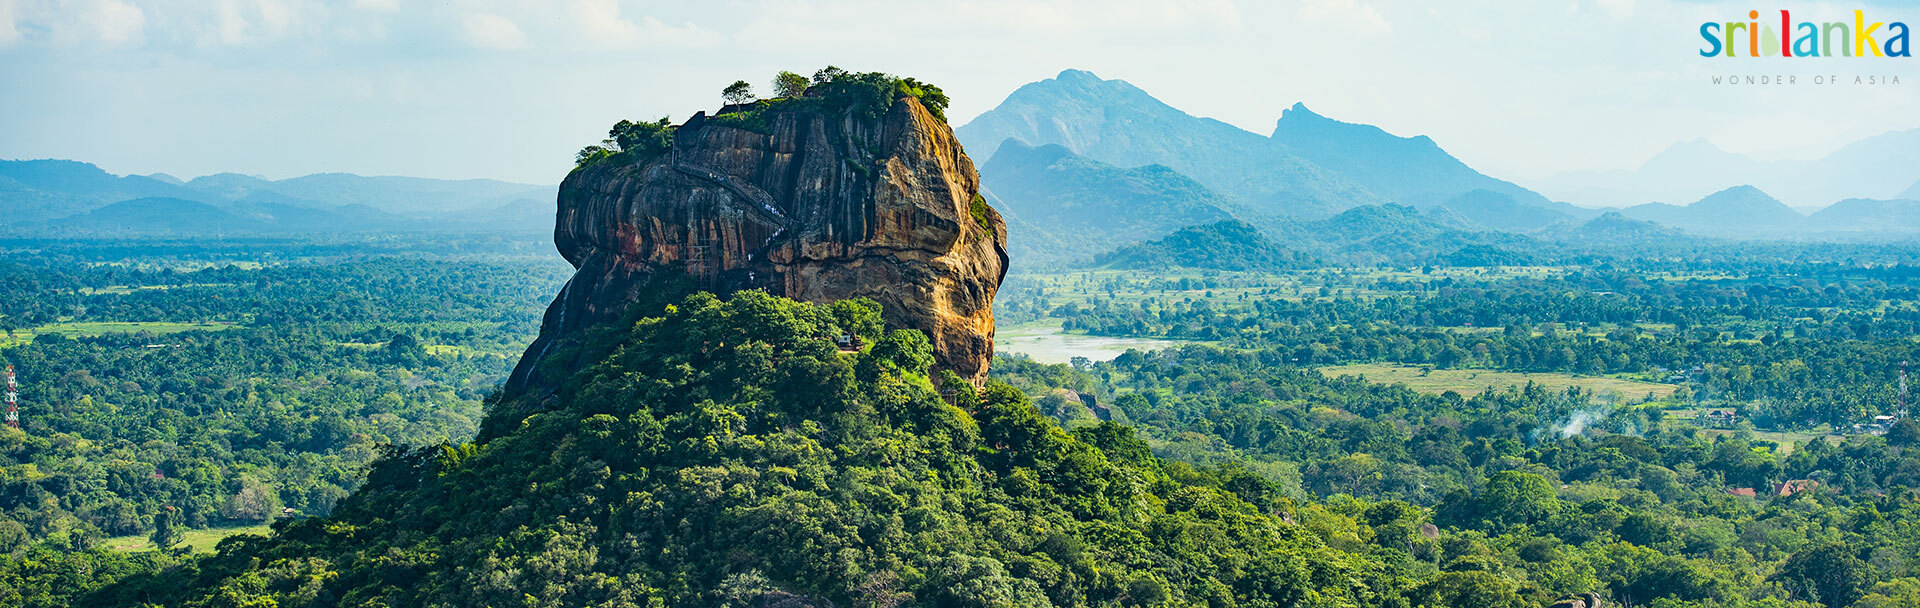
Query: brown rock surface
[808,205]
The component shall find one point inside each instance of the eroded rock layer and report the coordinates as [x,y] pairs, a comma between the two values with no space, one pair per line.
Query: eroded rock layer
[809,205]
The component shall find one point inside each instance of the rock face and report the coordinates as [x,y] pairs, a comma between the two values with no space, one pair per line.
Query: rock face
[1581,600]
[808,205]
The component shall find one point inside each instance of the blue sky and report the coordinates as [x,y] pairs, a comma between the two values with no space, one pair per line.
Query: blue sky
[510,89]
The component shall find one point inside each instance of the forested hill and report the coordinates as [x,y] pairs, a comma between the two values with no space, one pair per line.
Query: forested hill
[728,454]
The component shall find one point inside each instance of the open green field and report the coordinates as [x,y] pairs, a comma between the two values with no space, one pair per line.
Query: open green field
[158,328]
[1473,381]
[1786,440]
[199,540]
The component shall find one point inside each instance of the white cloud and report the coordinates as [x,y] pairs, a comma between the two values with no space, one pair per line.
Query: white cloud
[603,23]
[8,34]
[240,22]
[1353,14]
[487,30]
[118,23]
[1618,9]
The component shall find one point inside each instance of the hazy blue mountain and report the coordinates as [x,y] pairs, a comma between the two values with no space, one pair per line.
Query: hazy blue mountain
[1225,245]
[1309,167]
[409,196]
[38,190]
[412,195]
[1477,254]
[163,215]
[1361,224]
[1912,193]
[157,215]
[1087,205]
[1115,122]
[1739,212]
[1499,211]
[1452,219]
[1612,231]
[1868,216]
[1877,167]
[1408,170]
[48,193]
[231,186]
[1402,234]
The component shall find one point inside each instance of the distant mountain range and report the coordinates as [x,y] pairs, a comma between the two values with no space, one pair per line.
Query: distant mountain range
[1746,212]
[1736,211]
[1114,122]
[1868,217]
[1880,167]
[1072,206]
[1612,230]
[165,215]
[55,197]
[1082,166]
[1310,167]
[1224,245]
[1488,209]
[1087,165]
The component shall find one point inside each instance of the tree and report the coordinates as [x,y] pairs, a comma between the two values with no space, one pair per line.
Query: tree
[255,501]
[1905,433]
[905,349]
[165,534]
[789,84]
[1891,594]
[1468,590]
[1517,497]
[737,93]
[827,74]
[643,138]
[1830,574]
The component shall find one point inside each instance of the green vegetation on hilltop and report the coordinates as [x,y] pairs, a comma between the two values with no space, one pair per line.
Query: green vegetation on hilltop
[832,90]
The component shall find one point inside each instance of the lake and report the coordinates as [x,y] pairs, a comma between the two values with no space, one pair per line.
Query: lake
[1047,343]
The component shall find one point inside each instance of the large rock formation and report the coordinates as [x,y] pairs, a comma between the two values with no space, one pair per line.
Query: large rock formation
[810,204]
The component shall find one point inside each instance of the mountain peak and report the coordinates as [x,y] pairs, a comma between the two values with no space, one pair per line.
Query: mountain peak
[1742,195]
[1299,110]
[1071,74]
[1014,152]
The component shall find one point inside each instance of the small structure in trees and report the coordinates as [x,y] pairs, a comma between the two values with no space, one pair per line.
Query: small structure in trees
[847,341]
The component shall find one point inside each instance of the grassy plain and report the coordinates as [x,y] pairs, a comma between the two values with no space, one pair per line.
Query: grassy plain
[200,541]
[158,328]
[1474,381]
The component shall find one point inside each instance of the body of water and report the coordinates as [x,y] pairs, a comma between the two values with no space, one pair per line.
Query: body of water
[1047,343]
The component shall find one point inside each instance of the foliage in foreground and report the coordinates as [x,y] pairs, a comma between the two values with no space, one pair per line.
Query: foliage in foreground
[724,453]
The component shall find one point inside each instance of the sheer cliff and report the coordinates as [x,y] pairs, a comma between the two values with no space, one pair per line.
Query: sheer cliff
[803,198]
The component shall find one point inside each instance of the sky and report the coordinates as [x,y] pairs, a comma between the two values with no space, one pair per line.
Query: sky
[511,89]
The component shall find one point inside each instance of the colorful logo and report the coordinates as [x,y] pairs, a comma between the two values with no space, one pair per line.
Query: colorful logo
[1832,39]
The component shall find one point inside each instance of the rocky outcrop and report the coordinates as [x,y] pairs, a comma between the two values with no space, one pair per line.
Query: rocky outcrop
[811,205]
[1579,600]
